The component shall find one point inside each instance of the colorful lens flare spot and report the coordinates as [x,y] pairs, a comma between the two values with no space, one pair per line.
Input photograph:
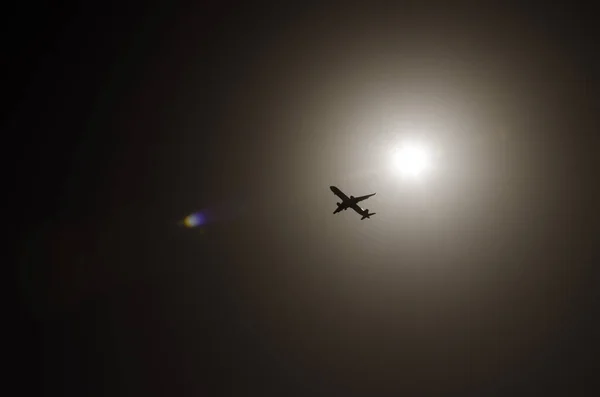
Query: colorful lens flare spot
[193,220]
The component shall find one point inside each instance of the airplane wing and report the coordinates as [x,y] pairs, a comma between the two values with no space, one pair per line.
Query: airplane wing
[361,198]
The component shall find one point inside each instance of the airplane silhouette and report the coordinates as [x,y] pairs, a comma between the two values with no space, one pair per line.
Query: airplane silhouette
[351,202]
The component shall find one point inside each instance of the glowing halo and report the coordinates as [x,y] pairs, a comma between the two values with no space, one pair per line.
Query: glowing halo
[412,160]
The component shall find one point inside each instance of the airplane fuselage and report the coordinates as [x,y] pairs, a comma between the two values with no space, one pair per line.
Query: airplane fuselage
[351,202]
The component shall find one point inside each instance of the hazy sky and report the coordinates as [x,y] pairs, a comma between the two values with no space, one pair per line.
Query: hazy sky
[474,280]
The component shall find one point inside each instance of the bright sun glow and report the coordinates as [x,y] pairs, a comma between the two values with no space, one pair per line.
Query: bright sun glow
[412,160]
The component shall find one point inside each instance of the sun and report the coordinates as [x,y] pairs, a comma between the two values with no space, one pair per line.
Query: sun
[412,160]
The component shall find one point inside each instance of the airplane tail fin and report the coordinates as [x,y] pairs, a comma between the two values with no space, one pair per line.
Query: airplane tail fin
[367,215]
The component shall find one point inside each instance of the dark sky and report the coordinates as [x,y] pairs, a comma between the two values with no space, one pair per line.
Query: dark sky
[478,281]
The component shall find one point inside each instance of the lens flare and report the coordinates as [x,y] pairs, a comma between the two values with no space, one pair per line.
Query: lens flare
[193,220]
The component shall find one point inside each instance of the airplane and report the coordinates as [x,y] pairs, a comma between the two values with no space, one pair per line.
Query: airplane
[351,202]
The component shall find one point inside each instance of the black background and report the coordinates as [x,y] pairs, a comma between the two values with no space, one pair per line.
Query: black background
[118,300]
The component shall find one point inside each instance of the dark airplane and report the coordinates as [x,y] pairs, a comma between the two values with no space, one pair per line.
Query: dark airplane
[351,202]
